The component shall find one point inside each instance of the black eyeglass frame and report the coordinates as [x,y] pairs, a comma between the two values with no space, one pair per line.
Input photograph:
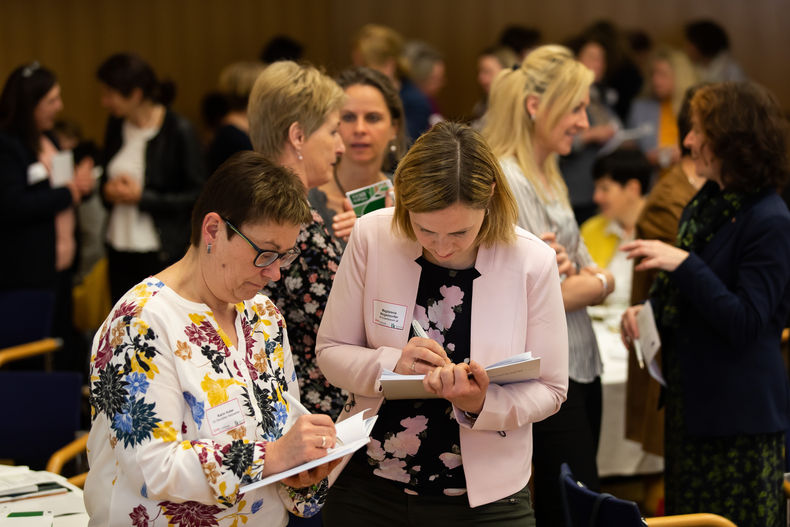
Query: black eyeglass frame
[286,258]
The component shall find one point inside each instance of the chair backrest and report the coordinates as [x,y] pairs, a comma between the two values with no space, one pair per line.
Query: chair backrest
[26,316]
[40,412]
[586,508]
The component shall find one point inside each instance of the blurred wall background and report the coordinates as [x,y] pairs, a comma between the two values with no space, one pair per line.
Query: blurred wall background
[189,41]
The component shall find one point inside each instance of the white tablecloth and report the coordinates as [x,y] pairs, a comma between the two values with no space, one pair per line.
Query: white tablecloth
[617,456]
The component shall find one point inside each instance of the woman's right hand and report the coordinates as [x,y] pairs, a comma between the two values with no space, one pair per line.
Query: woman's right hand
[629,330]
[308,439]
[421,356]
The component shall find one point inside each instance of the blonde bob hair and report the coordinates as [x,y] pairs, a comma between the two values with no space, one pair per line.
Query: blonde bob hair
[286,93]
[682,70]
[560,82]
[451,163]
[377,45]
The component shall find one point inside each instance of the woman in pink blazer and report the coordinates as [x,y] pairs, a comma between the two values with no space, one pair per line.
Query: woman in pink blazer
[449,256]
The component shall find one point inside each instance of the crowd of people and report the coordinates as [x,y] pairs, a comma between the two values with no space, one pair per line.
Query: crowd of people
[600,171]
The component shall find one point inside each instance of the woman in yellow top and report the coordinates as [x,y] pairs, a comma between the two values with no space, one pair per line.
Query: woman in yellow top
[671,74]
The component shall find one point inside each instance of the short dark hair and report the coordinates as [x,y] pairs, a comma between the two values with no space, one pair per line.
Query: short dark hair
[281,47]
[519,38]
[747,131]
[708,37]
[125,72]
[23,90]
[248,188]
[623,165]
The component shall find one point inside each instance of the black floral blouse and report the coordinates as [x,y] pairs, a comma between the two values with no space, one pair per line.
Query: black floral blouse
[301,295]
[417,442]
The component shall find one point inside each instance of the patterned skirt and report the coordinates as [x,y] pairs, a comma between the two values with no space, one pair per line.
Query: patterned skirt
[738,477]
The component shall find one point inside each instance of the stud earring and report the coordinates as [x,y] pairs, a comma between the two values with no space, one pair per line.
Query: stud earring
[299,155]
[393,148]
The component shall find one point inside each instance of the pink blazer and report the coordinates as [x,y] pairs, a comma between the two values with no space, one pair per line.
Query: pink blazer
[516,307]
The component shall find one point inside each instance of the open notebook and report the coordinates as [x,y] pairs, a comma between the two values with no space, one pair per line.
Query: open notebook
[518,368]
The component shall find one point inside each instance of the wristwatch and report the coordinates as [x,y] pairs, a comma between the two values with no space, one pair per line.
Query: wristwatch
[604,283]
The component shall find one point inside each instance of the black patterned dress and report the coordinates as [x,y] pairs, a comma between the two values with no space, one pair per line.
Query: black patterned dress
[301,294]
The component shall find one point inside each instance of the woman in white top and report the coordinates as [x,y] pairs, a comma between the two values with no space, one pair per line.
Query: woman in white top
[153,172]
[534,114]
[189,372]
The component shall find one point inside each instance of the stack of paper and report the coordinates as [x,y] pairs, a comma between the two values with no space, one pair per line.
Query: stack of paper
[518,368]
[18,483]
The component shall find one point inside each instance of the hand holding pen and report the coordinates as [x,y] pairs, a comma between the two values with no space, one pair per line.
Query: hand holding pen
[421,354]
[463,384]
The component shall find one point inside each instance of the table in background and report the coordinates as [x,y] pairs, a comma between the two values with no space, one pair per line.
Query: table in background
[617,456]
[68,509]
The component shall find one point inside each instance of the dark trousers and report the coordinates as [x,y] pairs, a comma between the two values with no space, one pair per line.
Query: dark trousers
[360,498]
[127,269]
[571,436]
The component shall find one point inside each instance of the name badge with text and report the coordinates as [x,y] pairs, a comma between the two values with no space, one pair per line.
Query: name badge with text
[389,315]
[225,416]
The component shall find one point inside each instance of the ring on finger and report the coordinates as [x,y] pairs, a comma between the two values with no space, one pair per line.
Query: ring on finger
[323,441]
[413,363]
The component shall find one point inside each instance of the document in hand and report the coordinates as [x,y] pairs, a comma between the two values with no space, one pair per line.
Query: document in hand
[352,434]
[521,367]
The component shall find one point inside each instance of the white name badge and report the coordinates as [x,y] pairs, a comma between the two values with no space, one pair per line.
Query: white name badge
[225,416]
[389,315]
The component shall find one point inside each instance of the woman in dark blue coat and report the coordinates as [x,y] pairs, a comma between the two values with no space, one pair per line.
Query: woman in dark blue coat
[720,304]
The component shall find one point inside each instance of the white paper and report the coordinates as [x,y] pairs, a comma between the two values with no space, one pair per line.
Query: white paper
[649,342]
[623,135]
[352,434]
[62,168]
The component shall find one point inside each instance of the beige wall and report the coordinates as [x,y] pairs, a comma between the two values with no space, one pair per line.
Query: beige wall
[190,41]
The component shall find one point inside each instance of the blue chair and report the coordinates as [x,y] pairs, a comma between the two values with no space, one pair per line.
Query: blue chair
[586,508]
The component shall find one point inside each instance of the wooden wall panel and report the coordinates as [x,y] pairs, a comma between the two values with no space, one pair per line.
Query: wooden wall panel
[189,41]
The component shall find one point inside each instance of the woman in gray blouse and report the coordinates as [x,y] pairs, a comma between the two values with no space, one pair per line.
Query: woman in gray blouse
[534,113]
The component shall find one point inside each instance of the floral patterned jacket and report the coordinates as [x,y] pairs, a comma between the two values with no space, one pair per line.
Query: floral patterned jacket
[181,418]
[301,295]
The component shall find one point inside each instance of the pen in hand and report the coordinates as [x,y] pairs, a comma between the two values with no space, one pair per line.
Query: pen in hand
[420,332]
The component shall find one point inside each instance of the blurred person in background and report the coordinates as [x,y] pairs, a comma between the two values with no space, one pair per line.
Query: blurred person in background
[38,210]
[428,71]
[671,75]
[233,130]
[153,171]
[708,47]
[491,61]
[381,48]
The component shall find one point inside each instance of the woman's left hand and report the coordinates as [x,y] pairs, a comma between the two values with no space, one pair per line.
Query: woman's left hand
[452,382]
[343,223]
[655,254]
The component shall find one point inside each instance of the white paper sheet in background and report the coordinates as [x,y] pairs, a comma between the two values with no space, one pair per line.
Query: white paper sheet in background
[62,168]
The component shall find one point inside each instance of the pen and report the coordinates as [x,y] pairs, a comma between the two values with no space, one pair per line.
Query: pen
[421,333]
[300,409]
[418,329]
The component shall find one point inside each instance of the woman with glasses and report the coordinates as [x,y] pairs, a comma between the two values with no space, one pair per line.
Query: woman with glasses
[189,372]
[294,115]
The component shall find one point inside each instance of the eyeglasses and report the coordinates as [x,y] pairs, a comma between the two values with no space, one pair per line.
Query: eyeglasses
[265,258]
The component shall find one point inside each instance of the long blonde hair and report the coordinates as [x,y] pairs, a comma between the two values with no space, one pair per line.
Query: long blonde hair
[682,70]
[560,82]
